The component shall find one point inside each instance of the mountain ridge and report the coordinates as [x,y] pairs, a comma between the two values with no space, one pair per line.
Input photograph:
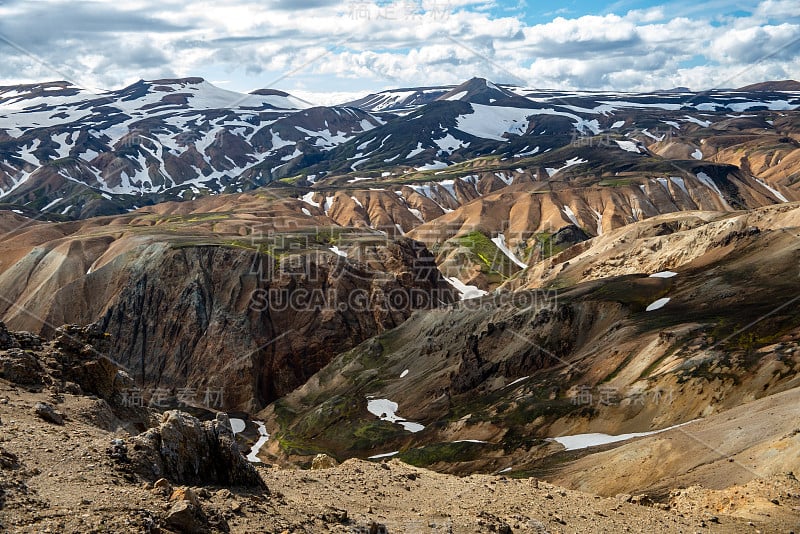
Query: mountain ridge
[180,138]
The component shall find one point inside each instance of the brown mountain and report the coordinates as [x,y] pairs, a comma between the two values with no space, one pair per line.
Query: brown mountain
[474,279]
[598,338]
[778,85]
[249,302]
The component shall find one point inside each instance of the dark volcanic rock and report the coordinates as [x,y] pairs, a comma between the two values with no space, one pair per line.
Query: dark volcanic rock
[48,413]
[234,329]
[75,362]
[187,451]
[7,341]
[20,367]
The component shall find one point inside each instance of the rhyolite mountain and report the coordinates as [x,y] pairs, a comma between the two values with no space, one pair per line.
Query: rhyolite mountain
[70,153]
[677,318]
[457,276]
[490,177]
[250,301]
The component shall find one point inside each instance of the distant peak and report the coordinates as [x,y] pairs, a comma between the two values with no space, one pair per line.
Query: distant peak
[57,84]
[478,91]
[774,85]
[269,92]
[675,90]
[194,80]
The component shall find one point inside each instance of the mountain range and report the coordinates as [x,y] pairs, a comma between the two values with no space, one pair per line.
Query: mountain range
[74,154]
[597,289]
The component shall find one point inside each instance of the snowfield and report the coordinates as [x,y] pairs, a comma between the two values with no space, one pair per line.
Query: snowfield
[500,241]
[657,305]
[386,410]
[583,441]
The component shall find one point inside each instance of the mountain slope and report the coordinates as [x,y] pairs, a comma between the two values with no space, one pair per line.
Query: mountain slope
[61,149]
[256,301]
[778,85]
[73,154]
[509,370]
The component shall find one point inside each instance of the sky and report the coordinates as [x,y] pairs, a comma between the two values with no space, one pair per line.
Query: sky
[328,51]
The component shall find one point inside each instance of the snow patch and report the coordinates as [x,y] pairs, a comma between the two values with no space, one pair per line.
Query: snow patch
[772,190]
[664,274]
[706,179]
[436,165]
[680,182]
[414,152]
[467,292]
[571,216]
[237,425]
[457,96]
[386,410]
[517,381]
[657,305]
[500,241]
[569,163]
[263,437]
[628,146]
[53,203]
[308,199]
[337,251]
[699,122]
[583,441]
[493,122]
[384,455]
[599,221]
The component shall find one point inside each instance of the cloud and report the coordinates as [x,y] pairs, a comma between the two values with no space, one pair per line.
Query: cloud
[781,10]
[752,45]
[299,4]
[353,45]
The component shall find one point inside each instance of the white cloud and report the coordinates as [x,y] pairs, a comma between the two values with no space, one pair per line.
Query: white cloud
[777,10]
[752,45]
[349,46]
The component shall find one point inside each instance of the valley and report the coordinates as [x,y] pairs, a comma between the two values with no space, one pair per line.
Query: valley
[467,291]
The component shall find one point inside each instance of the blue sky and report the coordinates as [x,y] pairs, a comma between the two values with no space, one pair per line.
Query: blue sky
[329,50]
[541,12]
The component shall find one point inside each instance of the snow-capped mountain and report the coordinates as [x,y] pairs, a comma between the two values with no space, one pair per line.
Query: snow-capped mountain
[399,100]
[153,140]
[67,151]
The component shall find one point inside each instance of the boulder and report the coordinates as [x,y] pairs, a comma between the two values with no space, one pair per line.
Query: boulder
[20,367]
[185,494]
[48,413]
[183,516]
[7,340]
[185,450]
[323,461]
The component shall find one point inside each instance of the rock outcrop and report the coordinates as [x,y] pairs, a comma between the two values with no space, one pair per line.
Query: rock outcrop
[185,450]
[323,461]
[75,362]
[239,327]
[206,318]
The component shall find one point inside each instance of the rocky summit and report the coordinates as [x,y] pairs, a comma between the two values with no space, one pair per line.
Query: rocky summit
[476,307]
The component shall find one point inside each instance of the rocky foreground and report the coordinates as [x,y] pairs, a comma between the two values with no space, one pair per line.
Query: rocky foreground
[75,458]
